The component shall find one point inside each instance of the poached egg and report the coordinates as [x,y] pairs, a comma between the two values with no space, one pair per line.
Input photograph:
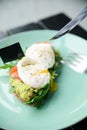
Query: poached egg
[33,68]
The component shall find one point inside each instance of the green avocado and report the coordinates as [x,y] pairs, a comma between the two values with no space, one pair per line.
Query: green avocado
[22,90]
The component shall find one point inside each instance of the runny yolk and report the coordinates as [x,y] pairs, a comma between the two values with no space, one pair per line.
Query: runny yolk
[53,87]
[41,72]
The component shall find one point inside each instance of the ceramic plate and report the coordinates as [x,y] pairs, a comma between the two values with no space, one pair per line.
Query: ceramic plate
[66,107]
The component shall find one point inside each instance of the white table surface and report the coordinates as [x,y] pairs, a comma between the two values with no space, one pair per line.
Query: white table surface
[14,13]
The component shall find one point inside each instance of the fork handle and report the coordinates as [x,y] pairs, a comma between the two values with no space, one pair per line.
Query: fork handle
[73,23]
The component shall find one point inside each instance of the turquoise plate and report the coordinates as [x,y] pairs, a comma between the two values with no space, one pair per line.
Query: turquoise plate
[66,107]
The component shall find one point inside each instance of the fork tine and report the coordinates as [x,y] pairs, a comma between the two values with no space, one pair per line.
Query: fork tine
[72,59]
[77,62]
[76,58]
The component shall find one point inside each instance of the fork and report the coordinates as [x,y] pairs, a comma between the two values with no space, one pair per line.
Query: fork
[76,61]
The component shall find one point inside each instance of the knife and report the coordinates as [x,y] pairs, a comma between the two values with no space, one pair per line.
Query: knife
[73,23]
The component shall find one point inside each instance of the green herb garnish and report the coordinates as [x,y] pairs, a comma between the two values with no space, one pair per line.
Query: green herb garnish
[6,66]
[38,99]
[9,65]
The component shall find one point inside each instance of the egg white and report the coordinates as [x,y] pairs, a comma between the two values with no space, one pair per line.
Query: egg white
[42,54]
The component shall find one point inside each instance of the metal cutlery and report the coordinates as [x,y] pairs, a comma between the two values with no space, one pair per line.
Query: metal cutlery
[77,62]
[72,24]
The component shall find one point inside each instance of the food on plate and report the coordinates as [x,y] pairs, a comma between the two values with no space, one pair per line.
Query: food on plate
[32,79]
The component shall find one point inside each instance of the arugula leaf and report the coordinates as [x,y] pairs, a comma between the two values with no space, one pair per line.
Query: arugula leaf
[5,66]
[9,65]
[37,100]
